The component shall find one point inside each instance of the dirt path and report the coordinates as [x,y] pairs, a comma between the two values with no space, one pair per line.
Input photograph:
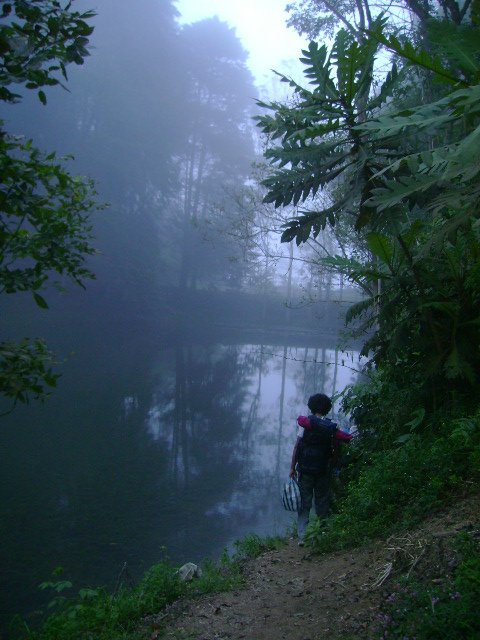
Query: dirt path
[292,595]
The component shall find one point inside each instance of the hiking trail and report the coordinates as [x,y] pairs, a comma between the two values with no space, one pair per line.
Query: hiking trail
[291,594]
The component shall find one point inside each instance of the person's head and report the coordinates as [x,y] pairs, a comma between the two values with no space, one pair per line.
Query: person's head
[319,403]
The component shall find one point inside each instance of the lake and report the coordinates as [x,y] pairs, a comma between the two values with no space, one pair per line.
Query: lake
[152,449]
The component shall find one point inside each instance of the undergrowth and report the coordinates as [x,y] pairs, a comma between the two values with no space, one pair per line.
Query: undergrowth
[395,488]
[420,610]
[253,545]
[95,614]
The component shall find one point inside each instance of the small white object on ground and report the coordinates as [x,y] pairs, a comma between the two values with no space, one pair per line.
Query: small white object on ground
[189,571]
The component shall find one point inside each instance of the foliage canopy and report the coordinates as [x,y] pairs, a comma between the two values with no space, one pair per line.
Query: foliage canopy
[44,210]
[409,179]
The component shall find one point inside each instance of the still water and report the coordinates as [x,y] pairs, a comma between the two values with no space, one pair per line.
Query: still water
[182,448]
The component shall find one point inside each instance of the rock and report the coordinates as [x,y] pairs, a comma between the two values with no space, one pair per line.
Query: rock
[189,571]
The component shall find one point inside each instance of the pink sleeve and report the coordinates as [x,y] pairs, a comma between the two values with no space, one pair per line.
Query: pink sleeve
[303,422]
[341,435]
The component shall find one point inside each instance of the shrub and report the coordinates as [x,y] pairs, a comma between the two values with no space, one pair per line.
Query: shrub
[97,614]
[396,487]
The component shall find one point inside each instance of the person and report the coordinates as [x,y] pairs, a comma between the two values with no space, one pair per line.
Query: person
[312,458]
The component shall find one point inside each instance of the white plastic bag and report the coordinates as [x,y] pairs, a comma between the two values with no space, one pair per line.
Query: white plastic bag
[291,495]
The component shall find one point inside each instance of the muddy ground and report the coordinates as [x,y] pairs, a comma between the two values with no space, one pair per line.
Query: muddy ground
[293,595]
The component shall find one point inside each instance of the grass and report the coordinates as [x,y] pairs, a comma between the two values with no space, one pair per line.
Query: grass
[253,546]
[95,614]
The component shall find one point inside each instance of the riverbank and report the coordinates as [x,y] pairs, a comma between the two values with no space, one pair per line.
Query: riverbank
[273,589]
[291,594]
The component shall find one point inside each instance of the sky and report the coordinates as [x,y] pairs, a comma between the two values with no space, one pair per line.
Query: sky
[260,26]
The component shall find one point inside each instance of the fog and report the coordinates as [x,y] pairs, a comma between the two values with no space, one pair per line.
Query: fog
[183,368]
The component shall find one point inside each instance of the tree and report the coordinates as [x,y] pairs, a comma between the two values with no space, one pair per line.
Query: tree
[417,208]
[122,120]
[44,210]
[320,144]
[217,151]
[323,17]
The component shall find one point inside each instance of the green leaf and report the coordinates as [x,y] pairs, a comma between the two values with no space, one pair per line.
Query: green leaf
[428,117]
[386,90]
[416,421]
[42,97]
[403,438]
[417,57]
[356,310]
[397,191]
[41,302]
[458,42]
[381,246]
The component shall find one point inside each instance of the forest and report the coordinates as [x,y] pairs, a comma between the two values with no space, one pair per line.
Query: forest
[356,194]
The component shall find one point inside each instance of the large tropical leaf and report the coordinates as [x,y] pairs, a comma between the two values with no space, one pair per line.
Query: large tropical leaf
[318,70]
[382,247]
[326,153]
[298,183]
[312,222]
[417,57]
[386,90]
[429,117]
[396,191]
[345,54]
[358,309]
[460,43]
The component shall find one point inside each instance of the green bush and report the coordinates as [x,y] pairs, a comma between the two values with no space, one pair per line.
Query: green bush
[395,488]
[95,614]
[105,616]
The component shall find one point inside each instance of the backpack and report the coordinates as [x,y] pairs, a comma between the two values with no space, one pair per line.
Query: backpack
[316,447]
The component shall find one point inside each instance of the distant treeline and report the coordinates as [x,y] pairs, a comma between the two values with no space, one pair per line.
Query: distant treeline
[239,310]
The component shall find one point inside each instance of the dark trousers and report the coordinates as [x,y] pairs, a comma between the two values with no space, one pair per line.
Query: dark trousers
[311,487]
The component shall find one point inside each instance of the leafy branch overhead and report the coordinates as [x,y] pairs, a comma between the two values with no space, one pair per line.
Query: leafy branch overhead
[26,370]
[37,42]
[448,162]
[405,171]
[320,144]
[45,227]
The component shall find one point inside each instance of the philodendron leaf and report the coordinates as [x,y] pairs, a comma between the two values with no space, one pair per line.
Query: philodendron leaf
[381,246]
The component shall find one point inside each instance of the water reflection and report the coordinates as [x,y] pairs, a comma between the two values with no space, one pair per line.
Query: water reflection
[226,416]
[183,446]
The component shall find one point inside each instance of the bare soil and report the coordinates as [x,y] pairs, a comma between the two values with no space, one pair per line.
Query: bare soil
[293,595]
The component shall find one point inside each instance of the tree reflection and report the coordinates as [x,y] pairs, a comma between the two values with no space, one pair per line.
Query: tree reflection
[183,446]
[202,423]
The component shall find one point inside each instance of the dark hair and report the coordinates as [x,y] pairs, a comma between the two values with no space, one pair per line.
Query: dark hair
[319,403]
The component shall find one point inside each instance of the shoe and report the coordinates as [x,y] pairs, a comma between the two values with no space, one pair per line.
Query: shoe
[301,543]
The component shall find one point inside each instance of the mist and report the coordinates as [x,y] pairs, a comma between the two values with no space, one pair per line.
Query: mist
[185,362]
